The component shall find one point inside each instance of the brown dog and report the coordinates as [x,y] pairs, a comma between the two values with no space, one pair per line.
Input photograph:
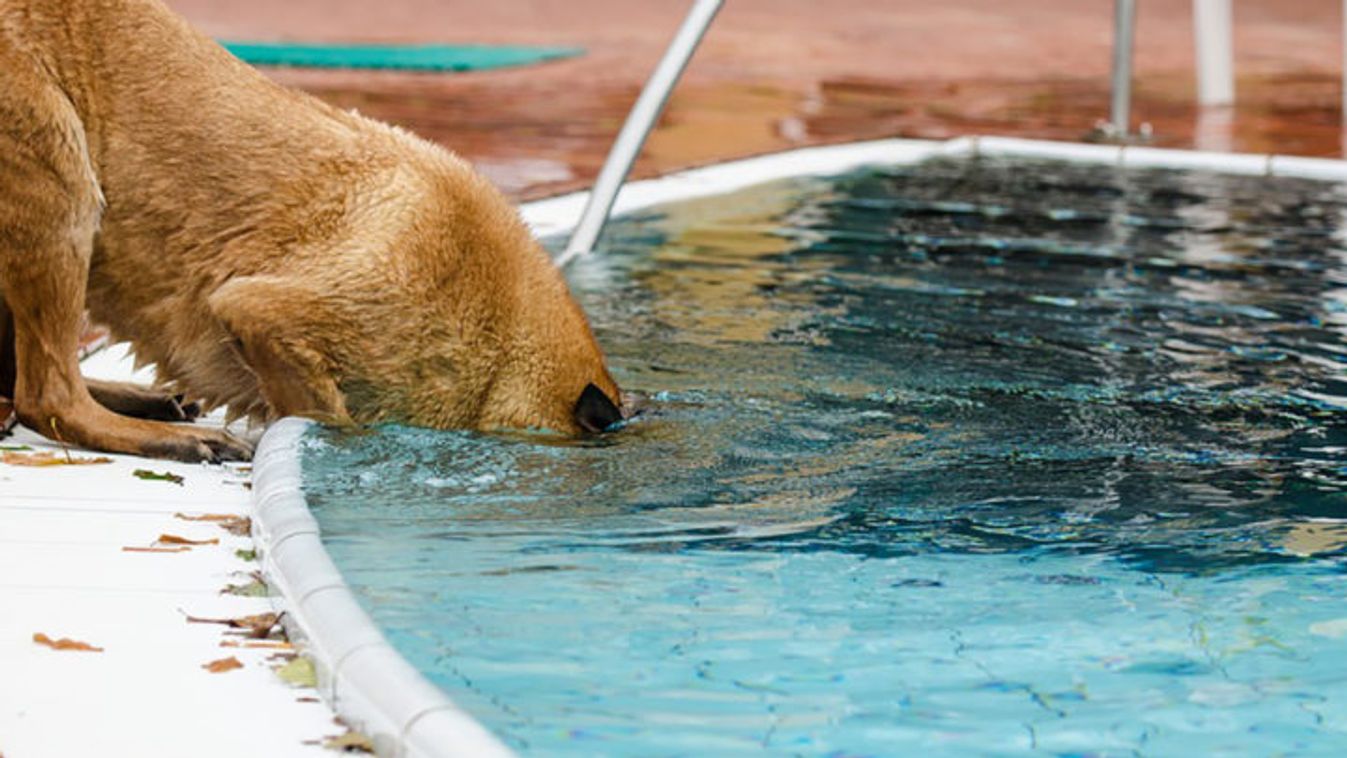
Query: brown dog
[268,252]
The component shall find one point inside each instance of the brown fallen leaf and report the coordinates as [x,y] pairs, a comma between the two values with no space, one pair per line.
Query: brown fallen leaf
[48,458]
[307,699]
[207,517]
[239,527]
[65,643]
[173,539]
[259,625]
[178,549]
[351,742]
[258,644]
[222,665]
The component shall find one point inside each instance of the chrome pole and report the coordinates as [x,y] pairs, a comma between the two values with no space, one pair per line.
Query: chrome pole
[637,127]
[1124,30]
[1212,26]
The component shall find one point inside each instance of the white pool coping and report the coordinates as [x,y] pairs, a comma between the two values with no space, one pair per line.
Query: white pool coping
[359,672]
[557,215]
[61,570]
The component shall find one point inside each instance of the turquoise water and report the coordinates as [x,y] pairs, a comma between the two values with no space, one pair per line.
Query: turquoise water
[970,457]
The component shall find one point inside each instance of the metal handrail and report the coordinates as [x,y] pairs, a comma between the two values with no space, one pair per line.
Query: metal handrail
[637,127]
[1124,34]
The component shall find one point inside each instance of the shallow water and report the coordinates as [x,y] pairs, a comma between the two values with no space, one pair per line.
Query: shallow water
[970,456]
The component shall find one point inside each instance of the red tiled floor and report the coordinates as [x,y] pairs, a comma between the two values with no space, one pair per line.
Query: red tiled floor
[775,74]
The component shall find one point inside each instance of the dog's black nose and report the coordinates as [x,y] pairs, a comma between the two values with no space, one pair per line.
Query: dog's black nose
[594,411]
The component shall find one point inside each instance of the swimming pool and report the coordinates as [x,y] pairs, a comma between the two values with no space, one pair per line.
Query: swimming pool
[977,455]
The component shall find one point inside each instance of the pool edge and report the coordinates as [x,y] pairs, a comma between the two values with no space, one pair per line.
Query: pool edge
[557,215]
[358,672]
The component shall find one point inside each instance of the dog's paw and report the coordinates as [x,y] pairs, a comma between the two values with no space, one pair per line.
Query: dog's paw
[200,447]
[227,447]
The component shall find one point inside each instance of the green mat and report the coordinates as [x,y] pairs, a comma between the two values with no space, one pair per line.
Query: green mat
[405,57]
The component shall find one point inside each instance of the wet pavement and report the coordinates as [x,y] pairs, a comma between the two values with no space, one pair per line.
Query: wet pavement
[776,74]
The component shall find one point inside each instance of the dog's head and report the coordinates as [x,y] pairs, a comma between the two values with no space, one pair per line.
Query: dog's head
[442,311]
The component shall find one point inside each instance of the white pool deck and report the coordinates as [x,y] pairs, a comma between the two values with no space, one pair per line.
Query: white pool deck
[65,572]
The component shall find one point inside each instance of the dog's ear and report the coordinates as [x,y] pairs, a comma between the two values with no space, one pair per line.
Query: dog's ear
[279,327]
[594,411]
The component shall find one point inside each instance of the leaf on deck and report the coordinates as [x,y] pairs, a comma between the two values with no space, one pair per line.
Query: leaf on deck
[255,588]
[351,742]
[236,525]
[164,476]
[49,458]
[222,665]
[258,644]
[176,549]
[259,625]
[65,643]
[173,539]
[298,673]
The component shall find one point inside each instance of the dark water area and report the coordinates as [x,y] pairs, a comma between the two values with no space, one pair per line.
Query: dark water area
[963,456]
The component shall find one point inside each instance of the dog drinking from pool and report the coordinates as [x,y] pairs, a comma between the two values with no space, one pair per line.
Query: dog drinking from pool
[269,253]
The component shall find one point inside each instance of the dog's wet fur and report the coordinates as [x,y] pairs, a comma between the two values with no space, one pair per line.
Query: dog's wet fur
[267,252]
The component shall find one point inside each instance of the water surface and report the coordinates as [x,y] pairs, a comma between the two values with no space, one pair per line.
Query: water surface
[974,456]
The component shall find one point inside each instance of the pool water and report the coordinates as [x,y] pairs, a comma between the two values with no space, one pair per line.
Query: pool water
[966,457]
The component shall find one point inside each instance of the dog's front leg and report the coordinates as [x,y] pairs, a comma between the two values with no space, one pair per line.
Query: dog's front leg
[49,212]
[51,396]
[8,364]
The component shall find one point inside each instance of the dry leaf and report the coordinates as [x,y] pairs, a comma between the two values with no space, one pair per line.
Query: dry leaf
[236,525]
[351,742]
[179,549]
[207,517]
[49,458]
[259,625]
[65,643]
[173,539]
[222,665]
[307,699]
[239,527]
[258,644]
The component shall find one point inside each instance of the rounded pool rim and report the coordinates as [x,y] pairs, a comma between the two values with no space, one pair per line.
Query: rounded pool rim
[364,679]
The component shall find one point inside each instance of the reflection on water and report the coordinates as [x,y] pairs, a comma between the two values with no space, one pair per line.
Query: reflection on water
[937,453]
[1150,353]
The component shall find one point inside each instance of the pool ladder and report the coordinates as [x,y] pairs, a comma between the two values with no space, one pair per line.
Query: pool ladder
[637,127]
[1215,88]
